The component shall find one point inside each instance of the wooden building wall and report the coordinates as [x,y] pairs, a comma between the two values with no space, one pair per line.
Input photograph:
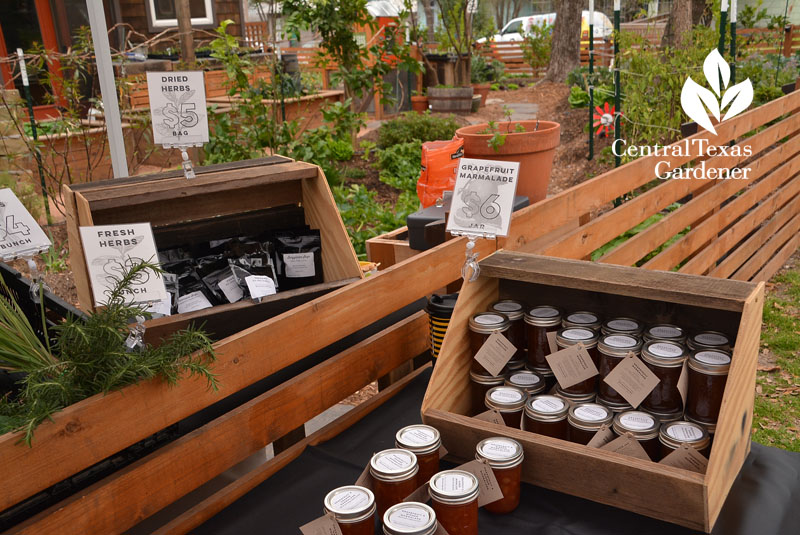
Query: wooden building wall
[134,12]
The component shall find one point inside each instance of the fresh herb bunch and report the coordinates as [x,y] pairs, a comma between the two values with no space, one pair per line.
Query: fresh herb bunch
[90,357]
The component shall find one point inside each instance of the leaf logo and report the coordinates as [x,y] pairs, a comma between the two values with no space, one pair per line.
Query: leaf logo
[698,102]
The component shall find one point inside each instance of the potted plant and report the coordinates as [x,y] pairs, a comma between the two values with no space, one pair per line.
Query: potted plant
[419,101]
[531,143]
[483,74]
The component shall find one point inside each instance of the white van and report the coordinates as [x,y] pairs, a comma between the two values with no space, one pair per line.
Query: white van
[517,28]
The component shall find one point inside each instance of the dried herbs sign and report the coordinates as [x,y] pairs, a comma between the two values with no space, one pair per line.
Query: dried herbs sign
[112,250]
[483,198]
[20,234]
[178,108]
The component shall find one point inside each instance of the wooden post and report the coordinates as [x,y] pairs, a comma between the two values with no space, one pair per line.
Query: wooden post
[787,40]
[185,31]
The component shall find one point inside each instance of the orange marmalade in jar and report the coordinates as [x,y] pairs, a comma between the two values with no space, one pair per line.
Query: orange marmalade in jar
[424,441]
[353,508]
[394,474]
[504,456]
[481,326]
[514,310]
[539,321]
[509,402]
[455,501]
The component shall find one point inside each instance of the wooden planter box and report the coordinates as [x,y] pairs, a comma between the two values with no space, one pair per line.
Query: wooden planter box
[671,494]
[223,201]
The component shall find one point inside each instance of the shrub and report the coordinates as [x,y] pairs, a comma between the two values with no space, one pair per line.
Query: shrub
[512,87]
[416,126]
[486,71]
[536,46]
[401,165]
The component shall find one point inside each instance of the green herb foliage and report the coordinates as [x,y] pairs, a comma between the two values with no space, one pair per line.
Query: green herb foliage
[536,46]
[401,165]
[483,70]
[416,126]
[55,258]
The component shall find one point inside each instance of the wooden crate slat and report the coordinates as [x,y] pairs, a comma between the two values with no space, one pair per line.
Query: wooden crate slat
[635,248]
[178,468]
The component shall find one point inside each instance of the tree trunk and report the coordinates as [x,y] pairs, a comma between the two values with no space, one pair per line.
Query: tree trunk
[565,54]
[427,6]
[185,31]
[678,24]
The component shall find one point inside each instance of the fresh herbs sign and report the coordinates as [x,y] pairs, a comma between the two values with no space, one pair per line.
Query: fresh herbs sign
[483,198]
[178,108]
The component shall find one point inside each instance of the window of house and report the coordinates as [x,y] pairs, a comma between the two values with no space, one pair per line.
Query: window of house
[162,13]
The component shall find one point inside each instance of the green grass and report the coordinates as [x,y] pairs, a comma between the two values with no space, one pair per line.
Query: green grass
[777,406]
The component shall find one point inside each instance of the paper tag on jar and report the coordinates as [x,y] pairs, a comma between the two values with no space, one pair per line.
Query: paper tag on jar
[365,479]
[627,445]
[572,365]
[688,458]
[603,436]
[551,341]
[489,487]
[683,384]
[632,380]
[324,525]
[491,416]
[420,495]
[495,353]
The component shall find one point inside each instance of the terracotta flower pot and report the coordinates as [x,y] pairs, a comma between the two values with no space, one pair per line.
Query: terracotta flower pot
[482,90]
[534,150]
[419,103]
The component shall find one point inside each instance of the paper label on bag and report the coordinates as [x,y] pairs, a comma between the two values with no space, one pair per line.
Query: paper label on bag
[163,307]
[193,301]
[551,341]
[233,292]
[683,383]
[572,365]
[299,265]
[495,353]
[632,380]
[688,458]
[603,436]
[489,487]
[260,285]
[365,479]
[324,525]
[420,495]
[491,416]
[627,445]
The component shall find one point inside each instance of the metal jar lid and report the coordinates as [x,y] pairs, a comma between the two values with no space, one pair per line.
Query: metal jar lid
[665,331]
[711,427]
[410,518]
[615,406]
[641,425]
[350,504]
[543,316]
[710,361]
[513,309]
[531,382]
[673,434]
[570,336]
[546,408]
[589,416]
[575,398]
[505,398]
[489,322]
[483,379]
[666,417]
[629,326]
[619,345]
[582,318]
[709,340]
[499,452]
[514,365]
[454,487]
[419,438]
[393,465]
[663,354]
[544,372]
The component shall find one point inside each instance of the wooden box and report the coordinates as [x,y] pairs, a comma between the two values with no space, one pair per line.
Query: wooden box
[224,200]
[698,303]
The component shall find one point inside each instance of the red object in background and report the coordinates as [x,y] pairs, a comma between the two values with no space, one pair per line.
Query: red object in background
[604,119]
[440,161]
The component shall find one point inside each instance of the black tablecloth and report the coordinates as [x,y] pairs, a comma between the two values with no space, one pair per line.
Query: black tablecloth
[765,499]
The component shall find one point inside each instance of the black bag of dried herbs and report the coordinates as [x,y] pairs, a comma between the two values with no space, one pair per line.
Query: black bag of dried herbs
[299,258]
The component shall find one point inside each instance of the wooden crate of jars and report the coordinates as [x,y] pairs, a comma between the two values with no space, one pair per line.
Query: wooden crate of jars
[661,303]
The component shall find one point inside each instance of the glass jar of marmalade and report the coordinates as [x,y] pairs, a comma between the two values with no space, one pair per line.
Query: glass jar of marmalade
[666,417]
[353,508]
[582,319]
[546,415]
[455,500]
[665,360]
[481,383]
[394,473]
[481,326]
[509,401]
[666,332]
[585,420]
[709,340]
[613,348]
[614,407]
[708,373]
[673,434]
[575,399]
[548,376]
[530,382]
[711,429]
[410,518]
[515,311]
[539,321]
[423,441]
[627,326]
[569,337]
[504,456]
[643,427]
